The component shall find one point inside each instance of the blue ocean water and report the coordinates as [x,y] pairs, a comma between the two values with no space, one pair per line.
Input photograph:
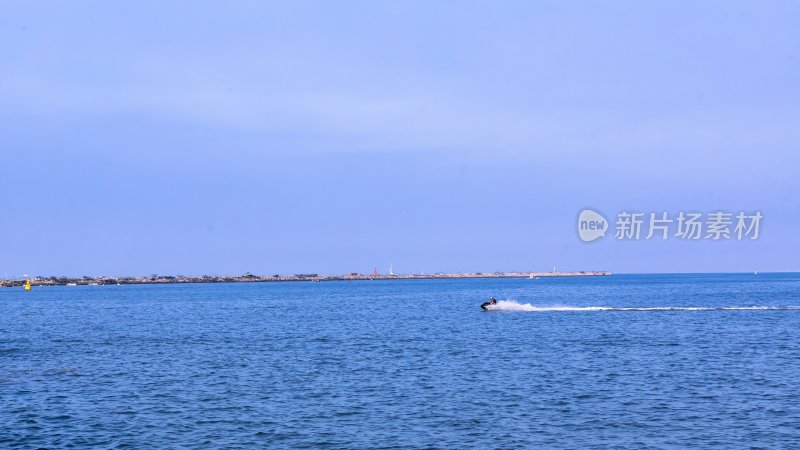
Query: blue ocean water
[405,364]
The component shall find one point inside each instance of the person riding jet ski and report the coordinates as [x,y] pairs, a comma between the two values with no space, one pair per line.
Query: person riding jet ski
[491,301]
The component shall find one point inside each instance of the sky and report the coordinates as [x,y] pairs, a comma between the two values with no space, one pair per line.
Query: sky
[333,137]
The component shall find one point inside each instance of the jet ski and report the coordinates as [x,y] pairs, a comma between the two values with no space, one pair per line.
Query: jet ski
[485,305]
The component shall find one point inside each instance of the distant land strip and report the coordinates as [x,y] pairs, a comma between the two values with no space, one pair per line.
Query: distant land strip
[250,278]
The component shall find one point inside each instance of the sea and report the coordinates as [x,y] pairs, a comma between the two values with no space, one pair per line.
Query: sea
[622,361]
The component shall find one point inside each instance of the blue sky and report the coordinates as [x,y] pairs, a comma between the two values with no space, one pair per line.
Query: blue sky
[329,137]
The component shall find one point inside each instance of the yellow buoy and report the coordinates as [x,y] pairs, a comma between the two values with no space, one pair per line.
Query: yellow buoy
[27,285]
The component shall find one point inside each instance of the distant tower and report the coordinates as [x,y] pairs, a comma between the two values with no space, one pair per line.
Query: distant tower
[375,271]
[391,272]
[554,269]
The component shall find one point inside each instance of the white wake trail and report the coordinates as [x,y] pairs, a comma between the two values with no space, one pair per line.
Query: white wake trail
[513,305]
[510,305]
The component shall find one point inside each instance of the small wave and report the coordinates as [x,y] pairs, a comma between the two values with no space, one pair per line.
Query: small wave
[513,305]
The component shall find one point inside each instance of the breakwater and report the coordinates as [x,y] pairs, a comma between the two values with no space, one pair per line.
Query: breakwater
[250,278]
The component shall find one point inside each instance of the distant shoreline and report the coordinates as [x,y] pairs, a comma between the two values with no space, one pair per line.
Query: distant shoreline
[250,278]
